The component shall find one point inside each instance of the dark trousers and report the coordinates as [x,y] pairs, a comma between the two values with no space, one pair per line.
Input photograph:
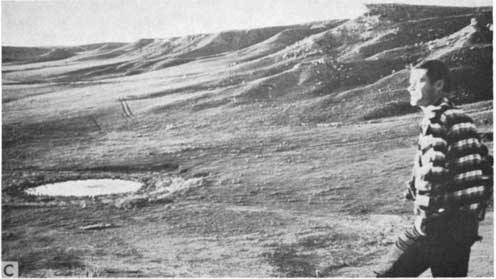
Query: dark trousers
[414,253]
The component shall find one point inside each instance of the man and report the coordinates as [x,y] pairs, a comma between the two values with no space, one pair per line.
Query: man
[451,183]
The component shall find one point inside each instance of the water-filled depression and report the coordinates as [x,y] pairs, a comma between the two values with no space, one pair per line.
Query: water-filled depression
[89,187]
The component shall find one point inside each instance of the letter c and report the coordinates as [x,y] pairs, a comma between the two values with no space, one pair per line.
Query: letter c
[5,270]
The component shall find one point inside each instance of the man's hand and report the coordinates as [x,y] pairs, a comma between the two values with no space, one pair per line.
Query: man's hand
[409,194]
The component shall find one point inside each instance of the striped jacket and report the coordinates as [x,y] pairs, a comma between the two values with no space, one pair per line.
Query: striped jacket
[452,171]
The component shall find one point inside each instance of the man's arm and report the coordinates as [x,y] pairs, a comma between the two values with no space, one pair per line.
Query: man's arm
[470,185]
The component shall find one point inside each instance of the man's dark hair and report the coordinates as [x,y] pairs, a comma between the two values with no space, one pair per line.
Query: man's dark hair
[437,70]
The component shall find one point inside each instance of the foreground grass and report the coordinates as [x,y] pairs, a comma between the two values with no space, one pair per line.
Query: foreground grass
[278,200]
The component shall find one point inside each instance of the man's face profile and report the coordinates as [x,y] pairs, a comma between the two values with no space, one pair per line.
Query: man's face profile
[421,89]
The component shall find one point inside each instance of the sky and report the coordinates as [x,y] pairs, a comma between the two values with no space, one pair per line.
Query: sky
[76,22]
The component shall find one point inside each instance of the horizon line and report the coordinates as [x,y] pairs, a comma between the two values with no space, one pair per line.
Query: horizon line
[69,45]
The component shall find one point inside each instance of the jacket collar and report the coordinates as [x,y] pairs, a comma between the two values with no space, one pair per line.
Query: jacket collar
[441,104]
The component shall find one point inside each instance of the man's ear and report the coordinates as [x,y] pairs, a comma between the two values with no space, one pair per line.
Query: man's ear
[439,84]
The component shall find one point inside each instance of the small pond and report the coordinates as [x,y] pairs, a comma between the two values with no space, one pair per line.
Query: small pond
[83,188]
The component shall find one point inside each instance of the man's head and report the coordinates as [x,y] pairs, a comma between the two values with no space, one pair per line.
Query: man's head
[428,82]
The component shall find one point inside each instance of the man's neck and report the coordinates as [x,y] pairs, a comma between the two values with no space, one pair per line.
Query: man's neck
[434,103]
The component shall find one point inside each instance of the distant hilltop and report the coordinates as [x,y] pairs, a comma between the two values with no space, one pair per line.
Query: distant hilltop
[401,12]
[337,61]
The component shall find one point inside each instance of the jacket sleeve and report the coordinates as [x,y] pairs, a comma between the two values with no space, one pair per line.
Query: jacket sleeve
[469,183]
